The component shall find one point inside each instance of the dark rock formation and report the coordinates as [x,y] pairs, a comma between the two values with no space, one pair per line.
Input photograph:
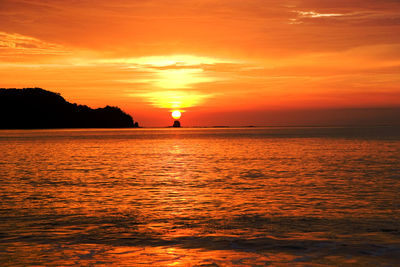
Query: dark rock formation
[176,124]
[35,108]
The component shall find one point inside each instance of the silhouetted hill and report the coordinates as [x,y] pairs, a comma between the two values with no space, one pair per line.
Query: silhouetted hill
[31,108]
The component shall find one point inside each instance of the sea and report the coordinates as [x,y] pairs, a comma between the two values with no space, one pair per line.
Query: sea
[257,196]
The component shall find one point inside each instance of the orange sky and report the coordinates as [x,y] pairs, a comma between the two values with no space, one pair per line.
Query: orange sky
[221,62]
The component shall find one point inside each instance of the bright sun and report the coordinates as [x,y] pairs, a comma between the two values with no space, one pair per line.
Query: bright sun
[176,114]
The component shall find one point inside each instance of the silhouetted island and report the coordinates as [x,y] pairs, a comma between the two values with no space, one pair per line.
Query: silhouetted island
[35,108]
[176,124]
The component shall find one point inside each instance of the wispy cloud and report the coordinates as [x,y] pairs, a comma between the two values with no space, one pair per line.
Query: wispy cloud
[171,60]
[312,14]
[174,71]
[176,99]
[13,43]
[173,78]
[351,17]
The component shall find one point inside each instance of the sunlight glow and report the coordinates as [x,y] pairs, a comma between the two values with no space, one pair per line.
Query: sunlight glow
[175,99]
[171,72]
[180,78]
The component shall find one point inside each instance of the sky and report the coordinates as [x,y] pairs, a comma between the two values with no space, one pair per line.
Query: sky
[220,62]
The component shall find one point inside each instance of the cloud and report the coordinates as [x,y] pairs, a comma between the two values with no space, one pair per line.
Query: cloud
[167,61]
[172,71]
[17,44]
[312,14]
[172,78]
[176,99]
[357,17]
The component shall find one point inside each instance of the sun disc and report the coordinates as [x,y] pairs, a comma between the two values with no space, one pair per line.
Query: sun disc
[176,114]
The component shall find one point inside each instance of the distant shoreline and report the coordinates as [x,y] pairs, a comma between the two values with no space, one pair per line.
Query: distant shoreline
[206,127]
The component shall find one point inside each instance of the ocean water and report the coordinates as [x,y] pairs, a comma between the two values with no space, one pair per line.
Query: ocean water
[200,197]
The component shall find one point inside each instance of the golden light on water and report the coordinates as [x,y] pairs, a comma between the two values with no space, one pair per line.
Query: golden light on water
[176,114]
